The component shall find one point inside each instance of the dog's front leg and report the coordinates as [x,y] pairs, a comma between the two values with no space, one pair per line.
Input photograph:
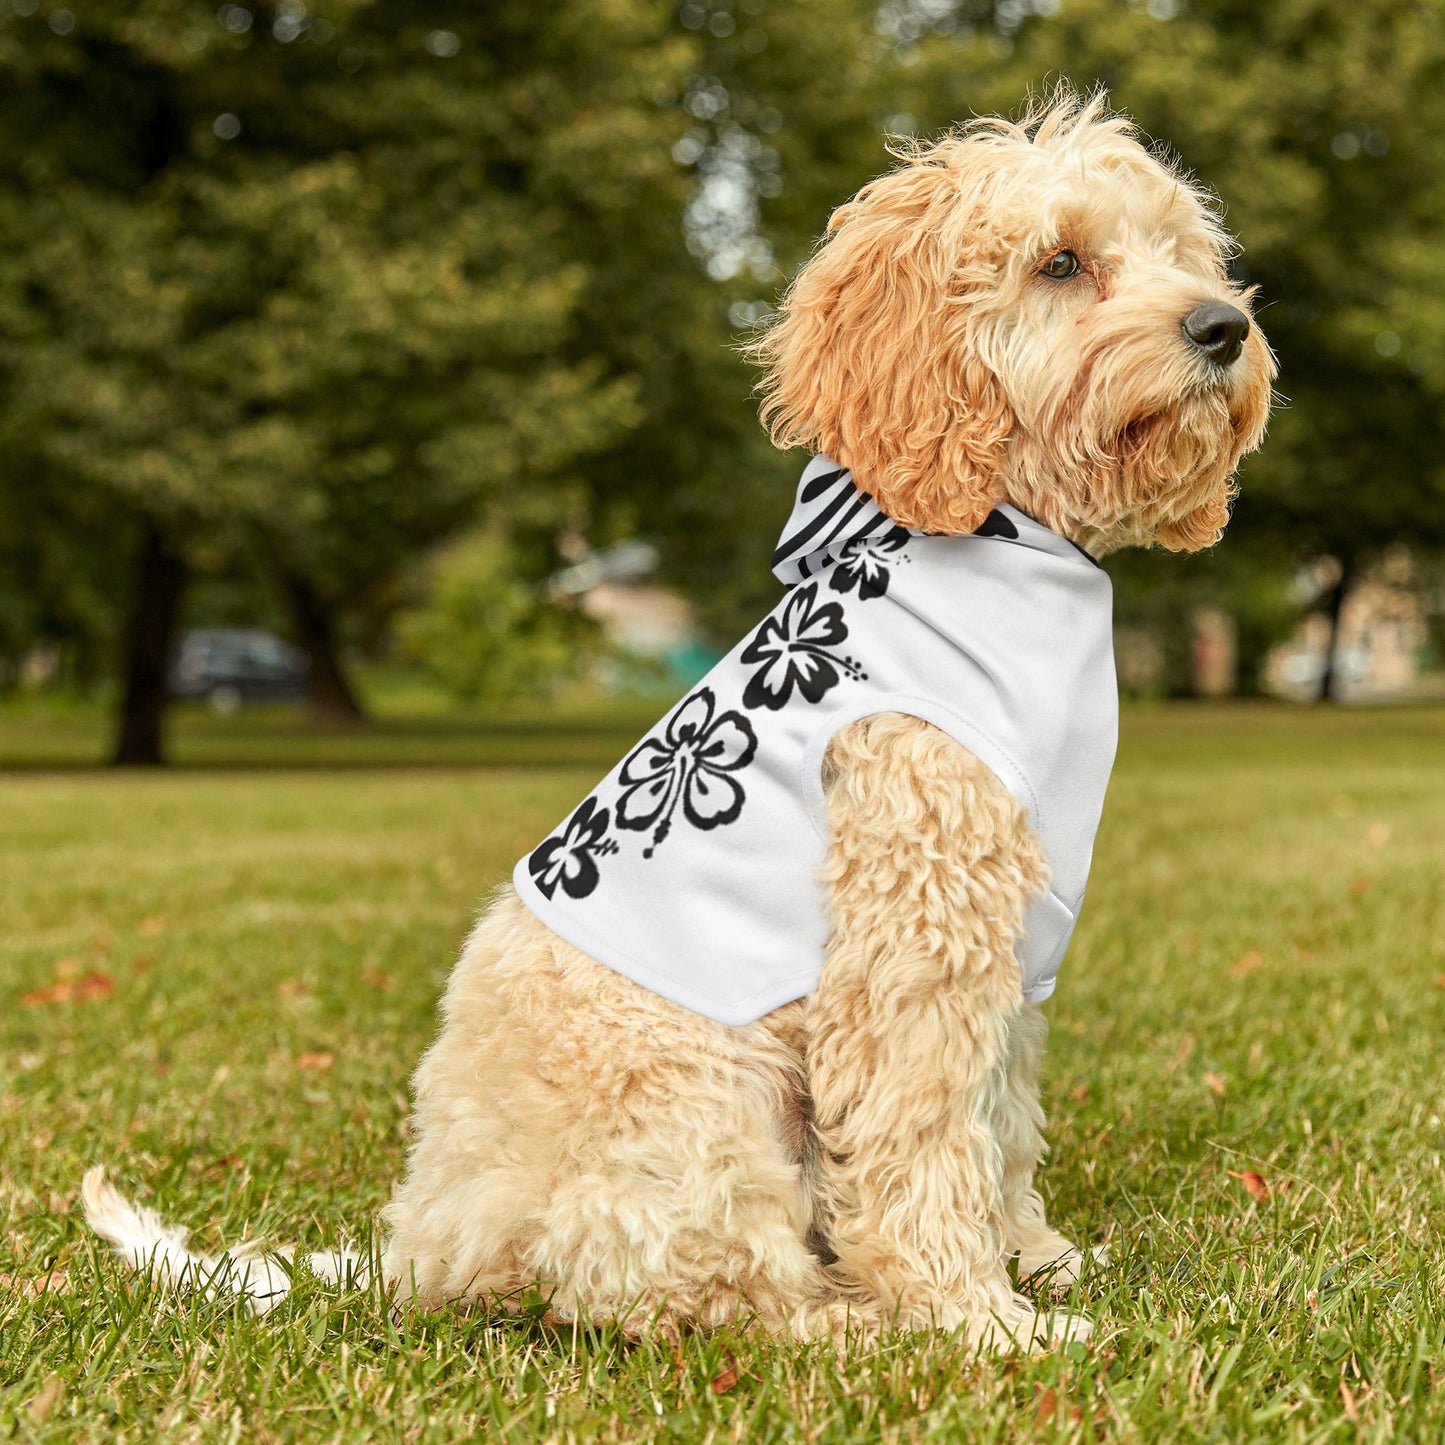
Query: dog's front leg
[1044,1255]
[931,863]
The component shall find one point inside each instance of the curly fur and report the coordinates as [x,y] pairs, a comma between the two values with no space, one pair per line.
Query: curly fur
[576,1130]
[865,1156]
[578,1133]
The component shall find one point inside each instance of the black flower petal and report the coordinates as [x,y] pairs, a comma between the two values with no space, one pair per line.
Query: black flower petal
[568,860]
[867,564]
[689,765]
[794,650]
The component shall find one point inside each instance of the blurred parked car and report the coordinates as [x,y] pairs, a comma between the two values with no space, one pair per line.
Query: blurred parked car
[230,665]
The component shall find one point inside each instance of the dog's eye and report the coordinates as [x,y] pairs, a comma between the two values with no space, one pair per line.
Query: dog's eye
[1060,266]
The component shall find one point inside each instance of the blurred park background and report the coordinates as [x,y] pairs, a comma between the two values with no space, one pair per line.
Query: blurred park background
[405,336]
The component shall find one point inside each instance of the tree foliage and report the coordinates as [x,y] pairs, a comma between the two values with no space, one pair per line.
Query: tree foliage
[319,287]
[307,290]
[485,634]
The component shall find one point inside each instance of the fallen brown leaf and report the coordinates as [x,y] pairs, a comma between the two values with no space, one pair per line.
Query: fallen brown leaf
[66,990]
[1214,1083]
[56,1282]
[322,1059]
[1046,1407]
[726,1379]
[1255,1184]
[56,993]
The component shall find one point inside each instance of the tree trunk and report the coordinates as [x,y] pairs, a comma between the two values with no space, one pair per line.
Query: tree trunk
[160,579]
[333,699]
[1334,608]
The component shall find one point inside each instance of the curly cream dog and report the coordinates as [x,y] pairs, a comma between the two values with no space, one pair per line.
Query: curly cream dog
[1035,314]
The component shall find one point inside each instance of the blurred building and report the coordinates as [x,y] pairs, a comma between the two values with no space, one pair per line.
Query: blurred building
[652,628]
[1382,652]
[1384,649]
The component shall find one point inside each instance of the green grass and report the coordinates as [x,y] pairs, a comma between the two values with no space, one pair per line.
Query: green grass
[1256,985]
[45,735]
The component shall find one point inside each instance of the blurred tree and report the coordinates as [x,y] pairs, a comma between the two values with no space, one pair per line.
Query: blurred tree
[326,284]
[323,285]
[782,110]
[1161,596]
[58,571]
[486,634]
[294,281]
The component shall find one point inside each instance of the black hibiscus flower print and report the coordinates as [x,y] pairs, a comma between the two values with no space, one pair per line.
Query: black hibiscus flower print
[795,649]
[689,766]
[569,859]
[867,563]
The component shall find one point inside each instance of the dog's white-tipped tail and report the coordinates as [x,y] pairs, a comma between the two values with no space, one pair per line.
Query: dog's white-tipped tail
[147,1243]
[139,1235]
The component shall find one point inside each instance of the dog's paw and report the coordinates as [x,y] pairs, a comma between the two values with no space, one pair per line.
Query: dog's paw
[1023,1326]
[1058,1270]
[1059,1328]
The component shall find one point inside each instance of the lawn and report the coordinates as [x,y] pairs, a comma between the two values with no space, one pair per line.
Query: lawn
[217,979]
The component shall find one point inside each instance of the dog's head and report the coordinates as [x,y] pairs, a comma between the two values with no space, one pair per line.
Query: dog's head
[1034,312]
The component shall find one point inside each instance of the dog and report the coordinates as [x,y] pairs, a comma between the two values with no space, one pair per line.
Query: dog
[1015,352]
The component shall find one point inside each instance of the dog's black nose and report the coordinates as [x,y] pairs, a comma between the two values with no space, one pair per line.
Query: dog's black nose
[1218,330]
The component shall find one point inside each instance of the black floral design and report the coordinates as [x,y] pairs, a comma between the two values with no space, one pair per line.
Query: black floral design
[794,647]
[689,765]
[569,858]
[868,562]
[997,525]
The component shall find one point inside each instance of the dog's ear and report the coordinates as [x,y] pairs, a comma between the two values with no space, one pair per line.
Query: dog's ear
[874,360]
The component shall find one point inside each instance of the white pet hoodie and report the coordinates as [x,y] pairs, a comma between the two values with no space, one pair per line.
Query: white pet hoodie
[693,867]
